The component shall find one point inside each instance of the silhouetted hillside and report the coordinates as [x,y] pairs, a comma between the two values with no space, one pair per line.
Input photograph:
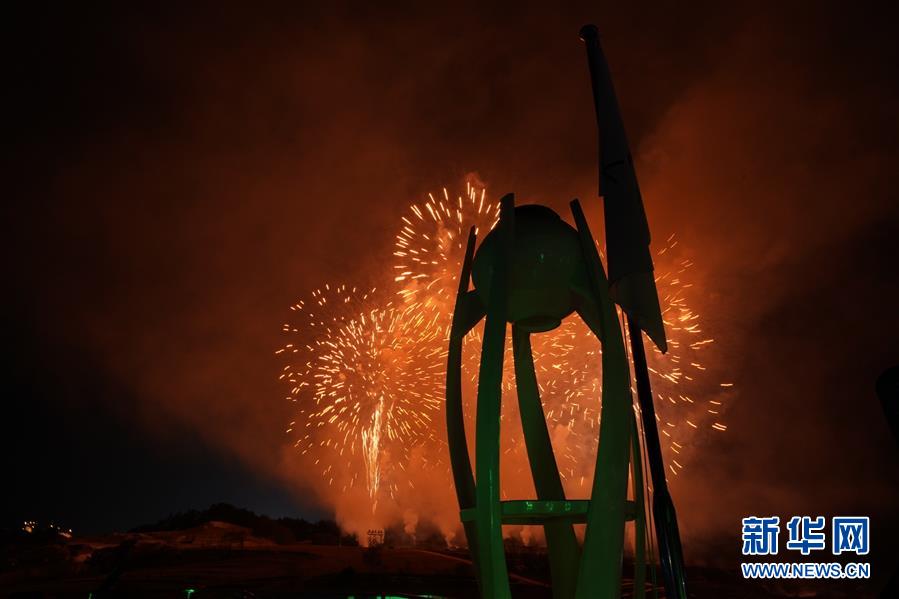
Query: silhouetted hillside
[282,530]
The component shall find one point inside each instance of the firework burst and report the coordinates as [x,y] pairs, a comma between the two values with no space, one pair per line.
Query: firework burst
[430,247]
[366,380]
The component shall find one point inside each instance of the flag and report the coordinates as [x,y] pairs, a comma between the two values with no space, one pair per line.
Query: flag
[631,279]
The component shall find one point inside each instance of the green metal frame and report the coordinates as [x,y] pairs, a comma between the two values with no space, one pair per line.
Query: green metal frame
[591,571]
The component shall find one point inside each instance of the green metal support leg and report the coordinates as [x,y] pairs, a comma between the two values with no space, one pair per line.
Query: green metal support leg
[564,552]
[488,523]
[468,311]
[600,574]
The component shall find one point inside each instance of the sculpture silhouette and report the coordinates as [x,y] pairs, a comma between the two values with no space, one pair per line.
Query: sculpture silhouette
[532,271]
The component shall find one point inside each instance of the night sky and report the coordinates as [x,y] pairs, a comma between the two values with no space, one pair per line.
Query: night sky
[179,177]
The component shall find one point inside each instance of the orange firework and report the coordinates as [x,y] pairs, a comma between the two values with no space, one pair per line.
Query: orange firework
[429,249]
[366,381]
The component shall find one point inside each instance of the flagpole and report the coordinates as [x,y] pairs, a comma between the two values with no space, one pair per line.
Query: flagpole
[663,512]
[627,241]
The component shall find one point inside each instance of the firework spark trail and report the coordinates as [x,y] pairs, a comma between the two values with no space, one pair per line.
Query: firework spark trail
[371,446]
